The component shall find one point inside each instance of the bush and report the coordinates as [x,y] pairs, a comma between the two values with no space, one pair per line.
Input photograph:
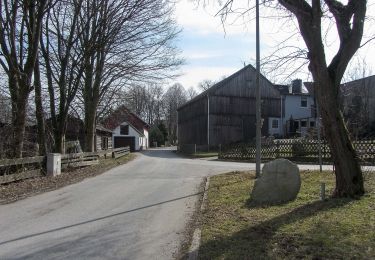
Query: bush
[156,136]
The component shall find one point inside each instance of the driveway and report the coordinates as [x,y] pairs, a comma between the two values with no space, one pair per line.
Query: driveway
[135,211]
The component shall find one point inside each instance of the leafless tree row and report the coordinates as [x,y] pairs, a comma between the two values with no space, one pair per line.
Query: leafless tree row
[74,56]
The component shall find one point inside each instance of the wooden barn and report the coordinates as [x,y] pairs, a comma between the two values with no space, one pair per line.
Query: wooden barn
[225,113]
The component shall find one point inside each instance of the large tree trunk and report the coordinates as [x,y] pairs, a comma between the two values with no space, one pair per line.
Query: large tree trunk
[349,179]
[60,131]
[19,97]
[59,137]
[39,111]
[18,122]
[90,125]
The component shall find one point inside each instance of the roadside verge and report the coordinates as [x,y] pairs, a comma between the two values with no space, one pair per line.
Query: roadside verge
[195,242]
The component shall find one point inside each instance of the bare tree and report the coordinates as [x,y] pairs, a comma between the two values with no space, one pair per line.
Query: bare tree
[123,41]
[349,20]
[20,29]
[356,98]
[191,93]
[39,111]
[358,68]
[173,98]
[154,94]
[63,68]
[205,84]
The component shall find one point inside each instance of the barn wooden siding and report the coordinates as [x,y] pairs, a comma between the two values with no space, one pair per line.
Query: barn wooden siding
[232,110]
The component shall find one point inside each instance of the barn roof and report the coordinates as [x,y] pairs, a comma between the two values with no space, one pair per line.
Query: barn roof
[359,82]
[221,84]
[103,129]
[123,114]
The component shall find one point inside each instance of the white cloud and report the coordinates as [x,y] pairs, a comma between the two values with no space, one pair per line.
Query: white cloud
[201,54]
[193,75]
[201,19]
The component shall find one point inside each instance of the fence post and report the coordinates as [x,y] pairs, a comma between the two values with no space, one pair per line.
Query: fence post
[277,149]
[195,148]
[53,164]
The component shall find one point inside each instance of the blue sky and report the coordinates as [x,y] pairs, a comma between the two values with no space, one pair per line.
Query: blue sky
[211,53]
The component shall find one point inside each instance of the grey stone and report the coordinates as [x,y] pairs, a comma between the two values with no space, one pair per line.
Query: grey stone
[279,182]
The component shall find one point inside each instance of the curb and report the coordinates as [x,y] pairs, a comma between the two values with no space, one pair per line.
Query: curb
[196,240]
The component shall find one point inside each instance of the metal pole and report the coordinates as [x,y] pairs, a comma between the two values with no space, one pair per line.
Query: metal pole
[319,138]
[258,115]
[208,123]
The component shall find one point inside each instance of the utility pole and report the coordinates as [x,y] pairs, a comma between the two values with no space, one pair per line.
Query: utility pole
[208,123]
[258,115]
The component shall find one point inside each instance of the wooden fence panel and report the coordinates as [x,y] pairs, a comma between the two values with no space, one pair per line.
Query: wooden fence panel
[79,160]
[119,152]
[21,161]
[20,176]
[20,168]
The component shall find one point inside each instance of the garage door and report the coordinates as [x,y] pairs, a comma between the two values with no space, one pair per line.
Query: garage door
[122,141]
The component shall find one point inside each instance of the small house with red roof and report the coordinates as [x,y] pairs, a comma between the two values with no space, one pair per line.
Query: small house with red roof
[128,129]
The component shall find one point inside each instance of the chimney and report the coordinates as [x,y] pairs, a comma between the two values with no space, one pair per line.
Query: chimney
[297,86]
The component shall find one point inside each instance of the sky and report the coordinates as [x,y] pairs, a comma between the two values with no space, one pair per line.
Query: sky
[211,52]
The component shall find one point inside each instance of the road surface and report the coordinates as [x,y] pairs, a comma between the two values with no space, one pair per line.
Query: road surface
[135,211]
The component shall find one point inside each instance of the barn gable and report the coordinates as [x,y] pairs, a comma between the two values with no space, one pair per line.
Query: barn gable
[230,115]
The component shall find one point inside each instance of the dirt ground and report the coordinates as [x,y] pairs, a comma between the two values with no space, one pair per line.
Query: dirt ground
[17,190]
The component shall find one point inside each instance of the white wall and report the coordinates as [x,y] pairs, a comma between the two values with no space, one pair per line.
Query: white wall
[274,131]
[292,106]
[147,139]
[132,132]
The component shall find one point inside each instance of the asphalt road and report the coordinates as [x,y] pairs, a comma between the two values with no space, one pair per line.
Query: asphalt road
[135,211]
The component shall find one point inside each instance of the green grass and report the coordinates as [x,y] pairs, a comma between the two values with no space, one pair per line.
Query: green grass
[233,228]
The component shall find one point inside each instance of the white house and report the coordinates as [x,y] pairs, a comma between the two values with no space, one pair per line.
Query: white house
[128,129]
[297,111]
[126,134]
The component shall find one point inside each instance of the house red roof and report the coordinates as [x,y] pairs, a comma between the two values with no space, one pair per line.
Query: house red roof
[123,114]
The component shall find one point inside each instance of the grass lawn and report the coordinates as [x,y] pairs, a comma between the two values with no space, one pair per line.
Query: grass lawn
[306,228]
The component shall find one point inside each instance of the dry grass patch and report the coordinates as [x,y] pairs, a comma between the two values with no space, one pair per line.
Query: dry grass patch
[306,228]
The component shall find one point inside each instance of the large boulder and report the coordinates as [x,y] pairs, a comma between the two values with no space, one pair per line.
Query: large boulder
[279,182]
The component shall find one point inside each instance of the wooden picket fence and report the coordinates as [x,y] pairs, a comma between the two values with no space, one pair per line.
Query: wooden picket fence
[301,150]
[29,167]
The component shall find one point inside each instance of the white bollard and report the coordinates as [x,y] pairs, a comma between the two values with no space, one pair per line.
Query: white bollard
[53,164]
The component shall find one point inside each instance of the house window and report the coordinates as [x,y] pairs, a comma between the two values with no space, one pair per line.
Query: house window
[303,123]
[124,130]
[275,123]
[312,123]
[303,101]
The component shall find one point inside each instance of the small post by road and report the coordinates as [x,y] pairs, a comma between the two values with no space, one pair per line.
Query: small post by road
[53,164]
